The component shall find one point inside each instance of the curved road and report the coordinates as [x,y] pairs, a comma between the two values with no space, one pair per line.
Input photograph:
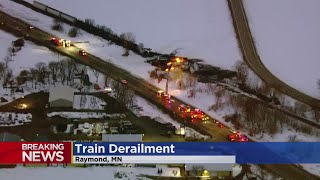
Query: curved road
[141,87]
[252,58]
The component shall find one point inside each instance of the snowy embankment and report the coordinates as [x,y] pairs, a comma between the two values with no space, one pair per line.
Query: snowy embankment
[203,99]
[88,102]
[199,29]
[14,119]
[144,108]
[287,37]
[86,115]
[53,173]
[24,59]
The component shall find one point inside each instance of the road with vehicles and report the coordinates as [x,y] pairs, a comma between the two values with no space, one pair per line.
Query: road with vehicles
[252,57]
[140,86]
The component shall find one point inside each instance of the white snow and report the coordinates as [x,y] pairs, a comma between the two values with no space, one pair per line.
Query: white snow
[260,174]
[78,115]
[14,119]
[286,34]
[225,55]
[191,133]
[133,63]
[313,168]
[53,173]
[85,115]
[150,110]
[236,170]
[27,57]
[88,102]
[285,135]
[200,29]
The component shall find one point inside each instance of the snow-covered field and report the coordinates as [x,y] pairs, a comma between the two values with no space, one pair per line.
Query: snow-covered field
[14,119]
[286,34]
[88,102]
[133,63]
[202,29]
[53,173]
[85,115]
[27,57]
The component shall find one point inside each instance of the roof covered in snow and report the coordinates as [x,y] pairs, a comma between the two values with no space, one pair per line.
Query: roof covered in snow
[61,92]
[122,137]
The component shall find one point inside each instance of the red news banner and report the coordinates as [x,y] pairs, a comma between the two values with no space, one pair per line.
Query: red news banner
[33,153]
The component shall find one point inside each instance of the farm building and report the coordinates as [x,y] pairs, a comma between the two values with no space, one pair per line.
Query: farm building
[61,96]
[122,137]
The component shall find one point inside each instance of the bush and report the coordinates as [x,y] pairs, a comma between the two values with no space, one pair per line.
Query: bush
[73,32]
[89,22]
[57,25]
[105,29]
[18,43]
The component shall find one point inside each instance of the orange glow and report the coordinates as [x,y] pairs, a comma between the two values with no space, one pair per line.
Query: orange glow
[169,63]
[178,60]
[167,70]
[172,68]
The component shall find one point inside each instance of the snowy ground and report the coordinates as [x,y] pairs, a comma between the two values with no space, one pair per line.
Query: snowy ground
[260,174]
[286,34]
[27,57]
[14,119]
[150,110]
[133,63]
[147,109]
[88,102]
[202,29]
[53,173]
[86,115]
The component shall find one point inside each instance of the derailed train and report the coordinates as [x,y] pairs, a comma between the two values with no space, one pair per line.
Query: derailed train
[54,12]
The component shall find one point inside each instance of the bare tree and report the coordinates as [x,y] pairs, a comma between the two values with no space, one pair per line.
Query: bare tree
[2,69]
[7,59]
[8,77]
[96,74]
[33,76]
[123,94]
[242,71]
[62,71]
[57,25]
[70,70]
[141,47]
[23,77]
[42,70]
[127,37]
[53,68]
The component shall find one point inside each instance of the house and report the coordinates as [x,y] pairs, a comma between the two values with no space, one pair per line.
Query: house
[61,96]
[122,137]
[8,137]
[220,171]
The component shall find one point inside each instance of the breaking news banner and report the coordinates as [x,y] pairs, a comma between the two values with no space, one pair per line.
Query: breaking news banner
[159,153]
